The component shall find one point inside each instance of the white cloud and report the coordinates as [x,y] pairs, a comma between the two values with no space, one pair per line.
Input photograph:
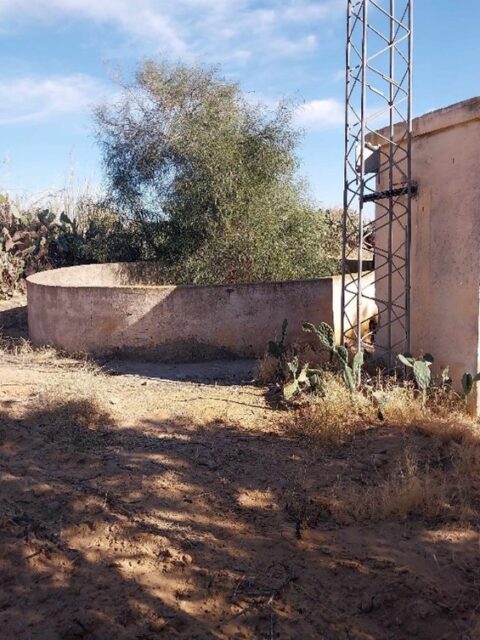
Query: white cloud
[234,31]
[32,99]
[193,28]
[318,114]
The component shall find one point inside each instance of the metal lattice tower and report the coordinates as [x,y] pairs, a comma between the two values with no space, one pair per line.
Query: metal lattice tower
[378,177]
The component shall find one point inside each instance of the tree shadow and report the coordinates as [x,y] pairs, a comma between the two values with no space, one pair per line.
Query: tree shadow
[165,530]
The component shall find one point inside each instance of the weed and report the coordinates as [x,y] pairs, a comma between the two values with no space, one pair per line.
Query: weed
[332,418]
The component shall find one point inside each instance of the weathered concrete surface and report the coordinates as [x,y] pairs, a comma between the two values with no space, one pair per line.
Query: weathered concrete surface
[445,246]
[117,308]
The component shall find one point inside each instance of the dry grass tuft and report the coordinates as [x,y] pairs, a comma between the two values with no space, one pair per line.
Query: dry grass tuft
[434,473]
[15,346]
[334,417]
[440,480]
[337,415]
[409,489]
[27,353]
[266,371]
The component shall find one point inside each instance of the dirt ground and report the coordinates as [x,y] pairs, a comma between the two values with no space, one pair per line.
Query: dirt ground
[134,507]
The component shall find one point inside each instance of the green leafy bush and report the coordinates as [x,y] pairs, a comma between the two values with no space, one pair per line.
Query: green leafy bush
[211,178]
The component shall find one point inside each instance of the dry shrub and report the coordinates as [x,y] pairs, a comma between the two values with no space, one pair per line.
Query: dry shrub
[438,471]
[444,417]
[266,371]
[334,417]
[338,414]
[401,403]
[27,353]
[444,482]
[409,490]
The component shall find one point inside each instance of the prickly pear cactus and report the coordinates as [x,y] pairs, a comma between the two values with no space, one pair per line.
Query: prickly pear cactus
[422,373]
[349,378]
[277,348]
[294,387]
[467,383]
[342,355]
[357,363]
[324,333]
[406,360]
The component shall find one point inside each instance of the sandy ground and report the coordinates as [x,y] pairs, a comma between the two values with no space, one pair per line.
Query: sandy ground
[183,509]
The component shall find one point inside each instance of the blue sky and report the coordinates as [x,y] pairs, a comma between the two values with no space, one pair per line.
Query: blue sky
[57,58]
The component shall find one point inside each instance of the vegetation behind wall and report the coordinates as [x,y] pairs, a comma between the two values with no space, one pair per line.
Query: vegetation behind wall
[199,179]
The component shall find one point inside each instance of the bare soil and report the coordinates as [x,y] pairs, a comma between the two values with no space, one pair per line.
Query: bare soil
[177,509]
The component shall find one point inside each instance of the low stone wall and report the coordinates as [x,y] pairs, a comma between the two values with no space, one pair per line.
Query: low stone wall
[109,308]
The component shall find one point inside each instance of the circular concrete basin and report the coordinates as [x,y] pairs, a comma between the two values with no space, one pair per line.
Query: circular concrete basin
[119,308]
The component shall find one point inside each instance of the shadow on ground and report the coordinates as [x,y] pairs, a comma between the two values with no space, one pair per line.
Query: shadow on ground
[216,372]
[13,317]
[164,530]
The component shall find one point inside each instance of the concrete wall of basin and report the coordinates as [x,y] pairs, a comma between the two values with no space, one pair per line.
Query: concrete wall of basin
[118,308]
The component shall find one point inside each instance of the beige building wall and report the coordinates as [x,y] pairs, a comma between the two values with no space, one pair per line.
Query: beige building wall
[445,245]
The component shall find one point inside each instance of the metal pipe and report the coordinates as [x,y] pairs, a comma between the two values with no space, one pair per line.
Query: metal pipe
[345,171]
[363,113]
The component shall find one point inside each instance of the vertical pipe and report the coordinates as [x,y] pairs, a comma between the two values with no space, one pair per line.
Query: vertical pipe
[363,113]
[346,172]
[408,229]
[391,149]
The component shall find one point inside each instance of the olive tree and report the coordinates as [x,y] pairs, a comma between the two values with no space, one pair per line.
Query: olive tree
[212,179]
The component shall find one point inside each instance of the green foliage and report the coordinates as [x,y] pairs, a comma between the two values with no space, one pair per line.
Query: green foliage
[468,381]
[211,179]
[294,377]
[299,377]
[351,374]
[36,240]
[421,371]
[467,384]
[30,242]
[277,348]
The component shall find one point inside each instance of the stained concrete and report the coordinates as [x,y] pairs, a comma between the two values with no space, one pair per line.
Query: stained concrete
[445,244]
[118,309]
